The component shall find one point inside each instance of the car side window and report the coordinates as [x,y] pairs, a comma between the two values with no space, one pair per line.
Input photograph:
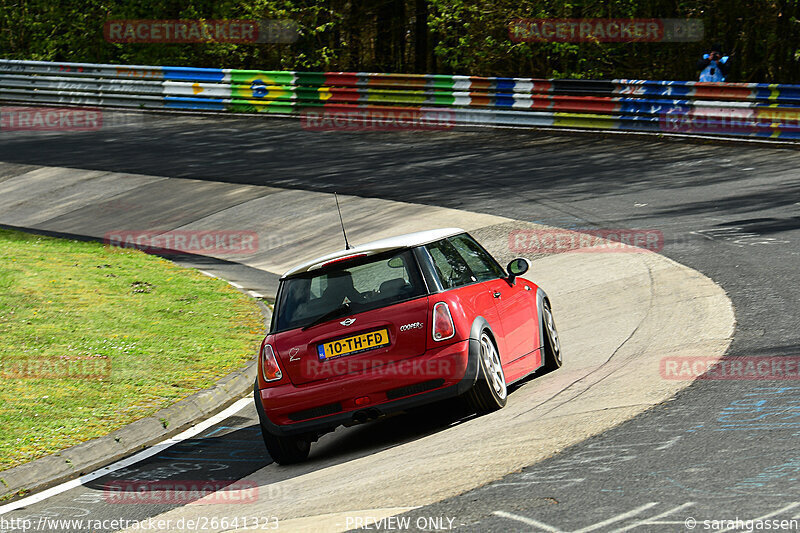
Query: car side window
[483,265]
[450,266]
[317,287]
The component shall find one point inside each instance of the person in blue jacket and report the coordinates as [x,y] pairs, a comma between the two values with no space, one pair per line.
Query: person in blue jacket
[714,66]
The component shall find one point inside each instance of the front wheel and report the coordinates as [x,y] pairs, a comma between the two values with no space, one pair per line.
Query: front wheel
[489,392]
[552,345]
[286,450]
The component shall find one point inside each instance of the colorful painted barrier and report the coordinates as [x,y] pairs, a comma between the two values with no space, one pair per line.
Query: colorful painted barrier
[740,109]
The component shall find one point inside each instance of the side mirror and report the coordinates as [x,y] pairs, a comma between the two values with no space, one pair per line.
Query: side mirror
[517,267]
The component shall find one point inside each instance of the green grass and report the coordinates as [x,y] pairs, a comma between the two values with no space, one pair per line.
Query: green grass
[93,338]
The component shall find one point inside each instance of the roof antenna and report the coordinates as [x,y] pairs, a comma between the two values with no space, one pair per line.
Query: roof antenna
[346,244]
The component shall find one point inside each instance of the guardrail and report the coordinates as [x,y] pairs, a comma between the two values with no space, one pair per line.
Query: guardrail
[740,109]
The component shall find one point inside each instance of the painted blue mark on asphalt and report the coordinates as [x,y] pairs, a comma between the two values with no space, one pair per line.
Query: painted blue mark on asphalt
[217,459]
[220,428]
[761,409]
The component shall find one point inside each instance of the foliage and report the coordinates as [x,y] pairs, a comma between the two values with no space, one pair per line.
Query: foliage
[425,36]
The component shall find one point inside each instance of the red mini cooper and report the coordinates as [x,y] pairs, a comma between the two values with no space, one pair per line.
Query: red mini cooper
[394,324]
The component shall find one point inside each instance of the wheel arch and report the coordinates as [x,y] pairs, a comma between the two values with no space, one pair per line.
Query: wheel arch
[480,395]
[478,326]
[541,297]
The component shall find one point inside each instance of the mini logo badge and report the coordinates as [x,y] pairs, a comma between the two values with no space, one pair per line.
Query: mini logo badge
[347,321]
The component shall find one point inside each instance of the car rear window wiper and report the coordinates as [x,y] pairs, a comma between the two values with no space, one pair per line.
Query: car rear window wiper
[330,315]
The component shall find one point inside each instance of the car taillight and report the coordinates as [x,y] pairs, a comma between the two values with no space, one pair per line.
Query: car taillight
[269,364]
[443,327]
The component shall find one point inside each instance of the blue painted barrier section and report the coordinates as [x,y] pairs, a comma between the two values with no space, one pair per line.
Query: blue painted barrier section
[193,74]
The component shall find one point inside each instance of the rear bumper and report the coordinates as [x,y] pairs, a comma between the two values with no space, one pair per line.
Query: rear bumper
[323,405]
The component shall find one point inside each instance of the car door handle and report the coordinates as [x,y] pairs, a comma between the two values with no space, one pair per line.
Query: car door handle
[497,295]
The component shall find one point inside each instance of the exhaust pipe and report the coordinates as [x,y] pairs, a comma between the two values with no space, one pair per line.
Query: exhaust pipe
[365,415]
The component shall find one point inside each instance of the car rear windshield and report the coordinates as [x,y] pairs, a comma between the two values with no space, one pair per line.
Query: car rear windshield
[353,287]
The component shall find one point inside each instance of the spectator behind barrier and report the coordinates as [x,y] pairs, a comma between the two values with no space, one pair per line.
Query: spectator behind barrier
[714,66]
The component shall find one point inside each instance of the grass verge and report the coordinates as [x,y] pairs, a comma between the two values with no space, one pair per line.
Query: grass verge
[95,337]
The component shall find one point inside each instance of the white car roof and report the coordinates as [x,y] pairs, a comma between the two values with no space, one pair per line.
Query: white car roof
[409,240]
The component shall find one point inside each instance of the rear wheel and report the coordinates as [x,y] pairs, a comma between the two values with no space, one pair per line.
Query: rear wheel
[552,344]
[490,392]
[286,450]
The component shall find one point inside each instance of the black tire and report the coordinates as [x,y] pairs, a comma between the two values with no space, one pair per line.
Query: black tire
[490,391]
[286,450]
[552,342]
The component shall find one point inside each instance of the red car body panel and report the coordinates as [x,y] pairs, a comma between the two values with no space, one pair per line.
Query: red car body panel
[446,363]
[517,310]
[513,316]
[465,304]
[297,350]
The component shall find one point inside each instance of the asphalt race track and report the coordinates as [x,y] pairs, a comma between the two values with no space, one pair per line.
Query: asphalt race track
[721,450]
[612,374]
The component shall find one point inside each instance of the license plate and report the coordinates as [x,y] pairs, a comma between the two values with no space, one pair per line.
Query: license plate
[354,344]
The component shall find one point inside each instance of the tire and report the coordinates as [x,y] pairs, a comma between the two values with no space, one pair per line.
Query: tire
[286,450]
[490,391]
[552,345]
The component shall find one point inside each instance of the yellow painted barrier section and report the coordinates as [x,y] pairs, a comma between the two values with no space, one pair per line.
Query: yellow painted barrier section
[579,120]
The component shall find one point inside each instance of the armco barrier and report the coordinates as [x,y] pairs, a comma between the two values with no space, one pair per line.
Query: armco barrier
[740,109]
